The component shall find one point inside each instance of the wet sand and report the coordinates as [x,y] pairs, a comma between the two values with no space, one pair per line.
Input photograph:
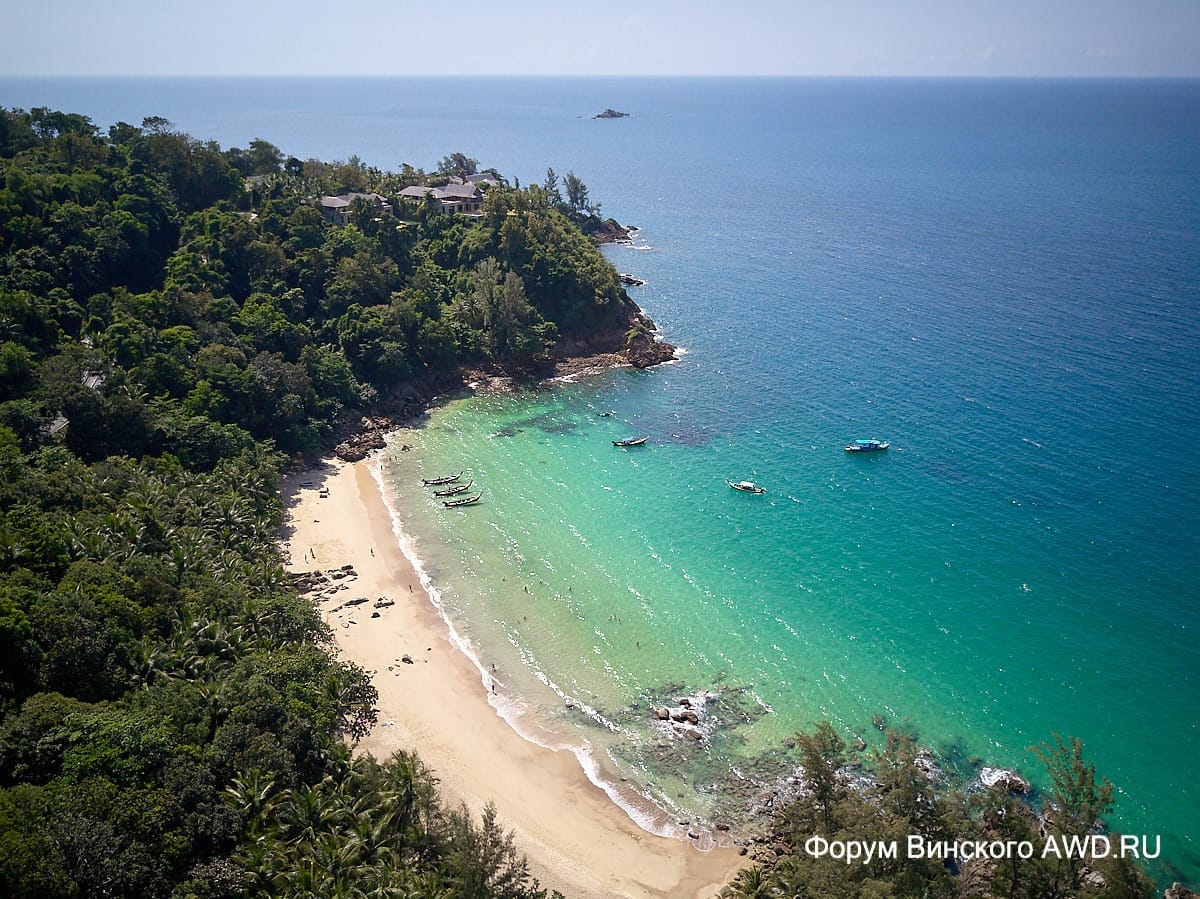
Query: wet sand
[577,839]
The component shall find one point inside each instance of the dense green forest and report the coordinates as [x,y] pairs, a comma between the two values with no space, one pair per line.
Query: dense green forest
[178,321]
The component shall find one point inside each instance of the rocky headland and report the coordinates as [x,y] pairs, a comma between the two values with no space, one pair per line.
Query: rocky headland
[634,344]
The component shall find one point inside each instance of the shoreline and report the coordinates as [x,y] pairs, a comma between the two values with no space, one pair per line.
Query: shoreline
[578,839]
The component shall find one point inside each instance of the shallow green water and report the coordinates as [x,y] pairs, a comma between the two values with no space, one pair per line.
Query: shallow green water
[602,582]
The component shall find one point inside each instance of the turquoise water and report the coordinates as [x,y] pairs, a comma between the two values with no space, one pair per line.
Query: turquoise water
[1000,277]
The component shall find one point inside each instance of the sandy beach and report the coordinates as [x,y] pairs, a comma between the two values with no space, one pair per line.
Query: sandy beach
[577,840]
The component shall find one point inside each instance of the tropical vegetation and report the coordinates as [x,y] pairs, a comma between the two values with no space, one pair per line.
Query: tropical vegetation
[178,321]
[893,824]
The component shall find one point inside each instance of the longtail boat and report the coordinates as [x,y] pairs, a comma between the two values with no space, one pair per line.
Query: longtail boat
[465,501]
[457,488]
[446,479]
[631,441]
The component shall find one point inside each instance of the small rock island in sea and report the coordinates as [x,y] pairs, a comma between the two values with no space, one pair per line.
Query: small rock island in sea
[611,113]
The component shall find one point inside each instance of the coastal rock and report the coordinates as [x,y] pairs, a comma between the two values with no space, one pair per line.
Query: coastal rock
[926,763]
[631,280]
[359,446]
[643,351]
[1094,878]
[687,719]
[607,230]
[308,581]
[1179,891]
[1009,780]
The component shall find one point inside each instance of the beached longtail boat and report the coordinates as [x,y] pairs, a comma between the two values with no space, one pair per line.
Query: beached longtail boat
[457,488]
[465,501]
[447,479]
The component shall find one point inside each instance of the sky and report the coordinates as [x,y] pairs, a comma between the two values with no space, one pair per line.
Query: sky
[567,37]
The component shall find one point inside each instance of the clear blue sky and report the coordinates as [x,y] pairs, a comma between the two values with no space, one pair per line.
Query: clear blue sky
[568,37]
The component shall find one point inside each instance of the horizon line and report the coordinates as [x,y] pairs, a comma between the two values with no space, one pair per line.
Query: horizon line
[622,75]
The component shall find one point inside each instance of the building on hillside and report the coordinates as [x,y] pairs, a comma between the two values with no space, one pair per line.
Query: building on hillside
[337,209]
[457,198]
[488,179]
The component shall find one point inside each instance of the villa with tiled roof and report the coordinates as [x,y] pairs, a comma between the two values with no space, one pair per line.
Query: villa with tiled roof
[337,209]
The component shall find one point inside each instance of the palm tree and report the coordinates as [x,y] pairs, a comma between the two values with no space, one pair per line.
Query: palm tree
[156,661]
[253,795]
[305,813]
[750,883]
[84,541]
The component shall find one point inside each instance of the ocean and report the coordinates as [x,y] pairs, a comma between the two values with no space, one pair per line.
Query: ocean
[1001,277]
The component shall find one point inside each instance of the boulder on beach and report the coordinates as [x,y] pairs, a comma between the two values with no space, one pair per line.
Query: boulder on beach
[359,446]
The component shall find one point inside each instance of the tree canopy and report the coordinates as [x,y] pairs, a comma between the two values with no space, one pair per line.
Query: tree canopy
[177,320]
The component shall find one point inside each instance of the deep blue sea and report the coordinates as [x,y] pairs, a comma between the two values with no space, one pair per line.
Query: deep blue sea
[1000,277]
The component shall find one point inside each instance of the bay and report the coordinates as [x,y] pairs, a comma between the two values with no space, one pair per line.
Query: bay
[998,276]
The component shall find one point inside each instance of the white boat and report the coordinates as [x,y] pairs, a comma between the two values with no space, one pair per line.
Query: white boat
[746,486]
[872,445]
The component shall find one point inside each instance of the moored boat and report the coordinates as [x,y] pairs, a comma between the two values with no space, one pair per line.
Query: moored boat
[456,489]
[465,501]
[746,486]
[867,446]
[446,479]
[631,441]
